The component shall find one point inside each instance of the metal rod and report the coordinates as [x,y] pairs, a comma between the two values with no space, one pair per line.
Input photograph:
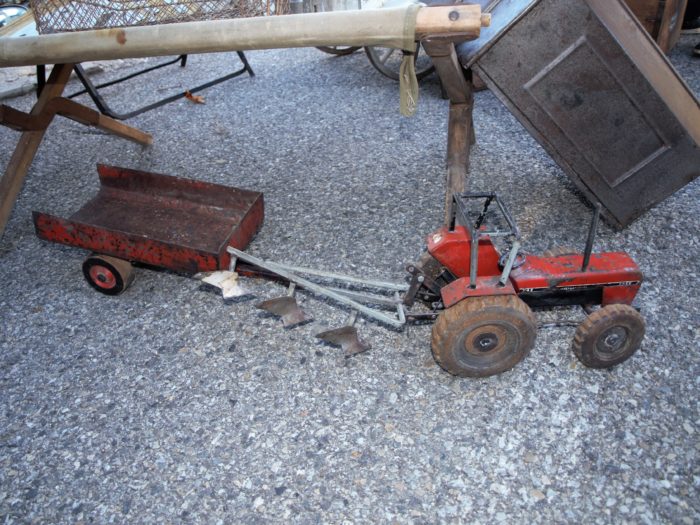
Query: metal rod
[509,263]
[127,77]
[591,237]
[315,288]
[557,324]
[474,259]
[104,108]
[509,218]
[482,216]
[400,309]
[461,210]
[365,297]
[383,285]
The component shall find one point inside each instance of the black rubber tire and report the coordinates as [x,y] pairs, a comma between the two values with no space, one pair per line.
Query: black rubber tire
[609,336]
[338,50]
[108,275]
[424,66]
[556,251]
[483,336]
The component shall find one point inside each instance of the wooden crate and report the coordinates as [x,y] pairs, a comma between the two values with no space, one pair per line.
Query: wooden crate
[661,18]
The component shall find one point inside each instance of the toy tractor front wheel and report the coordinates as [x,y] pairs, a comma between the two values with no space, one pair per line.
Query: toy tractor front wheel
[609,336]
[483,336]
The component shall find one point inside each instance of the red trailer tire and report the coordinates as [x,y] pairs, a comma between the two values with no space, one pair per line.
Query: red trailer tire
[108,275]
[483,336]
[609,336]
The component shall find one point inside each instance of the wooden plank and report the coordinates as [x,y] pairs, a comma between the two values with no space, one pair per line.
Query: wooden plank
[449,69]
[670,30]
[389,27]
[73,110]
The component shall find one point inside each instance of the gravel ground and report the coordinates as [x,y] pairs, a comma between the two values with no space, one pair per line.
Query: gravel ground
[167,405]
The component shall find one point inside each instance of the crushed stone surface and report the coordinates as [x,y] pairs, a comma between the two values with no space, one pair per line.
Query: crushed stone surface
[168,405]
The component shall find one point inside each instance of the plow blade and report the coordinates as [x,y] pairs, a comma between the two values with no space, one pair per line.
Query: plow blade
[286,308]
[345,337]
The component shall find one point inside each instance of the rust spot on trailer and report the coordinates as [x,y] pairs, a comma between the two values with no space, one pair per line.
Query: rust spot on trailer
[121,36]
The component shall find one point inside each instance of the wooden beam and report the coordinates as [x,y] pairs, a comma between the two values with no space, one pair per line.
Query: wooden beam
[21,121]
[388,27]
[21,160]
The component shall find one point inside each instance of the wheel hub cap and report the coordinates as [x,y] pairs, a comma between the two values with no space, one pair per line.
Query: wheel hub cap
[103,277]
[612,340]
[486,342]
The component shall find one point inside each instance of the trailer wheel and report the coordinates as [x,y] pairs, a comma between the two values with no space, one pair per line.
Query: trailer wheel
[387,61]
[609,336]
[556,251]
[107,275]
[483,336]
[338,50]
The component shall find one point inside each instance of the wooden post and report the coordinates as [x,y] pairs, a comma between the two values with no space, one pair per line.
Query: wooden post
[460,132]
[21,160]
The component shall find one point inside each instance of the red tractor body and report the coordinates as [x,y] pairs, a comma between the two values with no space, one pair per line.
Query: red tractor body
[485,298]
[610,278]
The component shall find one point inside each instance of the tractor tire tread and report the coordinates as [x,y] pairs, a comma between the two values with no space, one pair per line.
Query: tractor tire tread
[452,315]
[608,314]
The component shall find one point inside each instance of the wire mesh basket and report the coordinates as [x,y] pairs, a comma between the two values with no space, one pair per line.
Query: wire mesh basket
[57,16]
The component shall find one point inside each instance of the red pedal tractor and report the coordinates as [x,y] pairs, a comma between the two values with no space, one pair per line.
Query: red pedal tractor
[487,325]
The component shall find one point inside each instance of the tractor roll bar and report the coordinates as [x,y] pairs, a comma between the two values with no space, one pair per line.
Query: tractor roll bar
[460,211]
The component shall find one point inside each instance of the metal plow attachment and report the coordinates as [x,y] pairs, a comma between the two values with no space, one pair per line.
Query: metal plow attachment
[286,308]
[388,300]
[225,281]
[345,337]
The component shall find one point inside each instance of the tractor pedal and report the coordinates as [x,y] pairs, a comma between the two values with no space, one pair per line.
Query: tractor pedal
[345,337]
[286,308]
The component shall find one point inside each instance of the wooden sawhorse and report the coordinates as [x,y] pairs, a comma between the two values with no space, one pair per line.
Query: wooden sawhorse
[34,124]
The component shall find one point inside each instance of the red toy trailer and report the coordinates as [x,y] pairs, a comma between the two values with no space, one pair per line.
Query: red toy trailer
[156,220]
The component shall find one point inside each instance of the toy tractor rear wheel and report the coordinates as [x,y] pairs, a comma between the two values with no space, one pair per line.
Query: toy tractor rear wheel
[609,336]
[483,336]
[107,275]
